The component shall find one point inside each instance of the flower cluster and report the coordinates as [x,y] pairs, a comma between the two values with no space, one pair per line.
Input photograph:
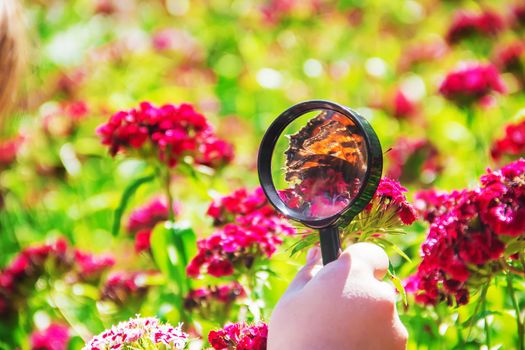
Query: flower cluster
[139,333]
[402,106]
[142,221]
[63,119]
[18,278]
[168,132]
[465,244]
[121,287]
[414,160]
[247,227]
[386,213]
[390,200]
[240,336]
[467,24]
[512,144]
[205,298]
[509,58]
[472,83]
[422,52]
[8,151]
[90,267]
[55,337]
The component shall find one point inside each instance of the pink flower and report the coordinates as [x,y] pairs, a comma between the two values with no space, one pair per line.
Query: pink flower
[466,234]
[509,58]
[240,336]
[168,132]
[205,297]
[54,337]
[502,199]
[136,332]
[518,15]
[471,84]
[91,267]
[403,107]
[422,52]
[247,227]
[143,220]
[467,24]
[8,151]
[389,197]
[512,144]
[121,287]
[414,160]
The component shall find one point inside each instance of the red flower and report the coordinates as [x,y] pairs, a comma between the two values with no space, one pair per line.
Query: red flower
[422,52]
[121,287]
[502,199]
[471,84]
[403,107]
[143,220]
[466,234]
[169,132]
[512,143]
[509,58]
[90,267]
[247,228]
[54,337]
[469,24]
[414,160]
[222,294]
[389,197]
[8,151]
[240,336]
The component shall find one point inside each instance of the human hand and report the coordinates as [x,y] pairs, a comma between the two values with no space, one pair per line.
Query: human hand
[343,305]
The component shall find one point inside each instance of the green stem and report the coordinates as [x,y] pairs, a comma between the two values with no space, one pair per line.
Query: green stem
[478,140]
[179,244]
[485,320]
[519,321]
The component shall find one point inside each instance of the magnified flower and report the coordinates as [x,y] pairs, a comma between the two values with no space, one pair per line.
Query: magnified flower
[471,84]
[512,144]
[414,160]
[466,24]
[139,333]
[54,337]
[240,336]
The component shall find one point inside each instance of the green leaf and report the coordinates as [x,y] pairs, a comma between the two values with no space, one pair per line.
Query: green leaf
[124,200]
[399,286]
[172,246]
[386,243]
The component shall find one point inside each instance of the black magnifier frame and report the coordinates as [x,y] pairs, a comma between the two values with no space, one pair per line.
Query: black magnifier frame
[328,226]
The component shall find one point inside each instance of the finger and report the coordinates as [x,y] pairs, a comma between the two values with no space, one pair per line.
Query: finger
[370,257]
[305,274]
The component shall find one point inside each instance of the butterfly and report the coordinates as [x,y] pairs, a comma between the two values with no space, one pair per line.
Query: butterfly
[329,141]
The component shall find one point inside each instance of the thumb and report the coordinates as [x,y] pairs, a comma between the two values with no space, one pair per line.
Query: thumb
[305,274]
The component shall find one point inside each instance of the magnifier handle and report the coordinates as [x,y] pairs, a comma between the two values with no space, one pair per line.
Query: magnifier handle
[330,243]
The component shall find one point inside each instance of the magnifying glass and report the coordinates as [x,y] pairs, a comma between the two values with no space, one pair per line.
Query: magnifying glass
[320,163]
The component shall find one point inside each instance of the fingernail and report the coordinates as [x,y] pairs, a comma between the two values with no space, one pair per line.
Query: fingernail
[312,255]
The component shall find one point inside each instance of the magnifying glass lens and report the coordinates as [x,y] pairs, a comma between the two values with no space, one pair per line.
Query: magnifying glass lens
[319,164]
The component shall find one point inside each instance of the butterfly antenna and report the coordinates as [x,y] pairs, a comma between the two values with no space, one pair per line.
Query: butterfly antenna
[388,150]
